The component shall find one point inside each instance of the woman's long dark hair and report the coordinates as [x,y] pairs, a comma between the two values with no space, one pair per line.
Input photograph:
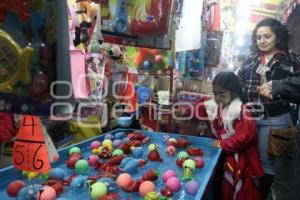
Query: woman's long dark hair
[229,81]
[280,30]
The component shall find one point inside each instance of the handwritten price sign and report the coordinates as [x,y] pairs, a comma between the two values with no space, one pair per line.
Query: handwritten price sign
[30,152]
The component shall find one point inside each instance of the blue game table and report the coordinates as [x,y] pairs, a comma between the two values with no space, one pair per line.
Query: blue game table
[204,175]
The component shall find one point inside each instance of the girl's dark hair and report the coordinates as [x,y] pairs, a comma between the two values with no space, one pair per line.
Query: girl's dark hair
[229,81]
[280,30]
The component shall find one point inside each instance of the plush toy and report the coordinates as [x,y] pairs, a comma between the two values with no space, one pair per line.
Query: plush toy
[85,11]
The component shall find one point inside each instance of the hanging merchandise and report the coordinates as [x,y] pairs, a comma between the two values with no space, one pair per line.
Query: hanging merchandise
[149,60]
[195,63]
[33,57]
[189,37]
[128,92]
[181,62]
[291,8]
[7,127]
[87,61]
[137,23]
[213,48]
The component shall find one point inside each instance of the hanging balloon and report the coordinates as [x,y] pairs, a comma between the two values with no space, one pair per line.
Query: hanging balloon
[158,58]
[147,64]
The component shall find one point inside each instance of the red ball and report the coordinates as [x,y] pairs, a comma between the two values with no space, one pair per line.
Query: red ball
[71,162]
[14,187]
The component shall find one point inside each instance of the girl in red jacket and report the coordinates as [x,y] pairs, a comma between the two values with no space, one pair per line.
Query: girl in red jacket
[233,126]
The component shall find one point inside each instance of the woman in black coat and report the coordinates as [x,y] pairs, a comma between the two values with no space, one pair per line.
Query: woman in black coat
[270,61]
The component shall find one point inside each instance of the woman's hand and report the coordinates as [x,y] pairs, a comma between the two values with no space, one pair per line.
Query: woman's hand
[266,90]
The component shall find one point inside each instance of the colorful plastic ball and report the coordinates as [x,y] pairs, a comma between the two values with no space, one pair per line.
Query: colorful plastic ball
[117,152]
[137,152]
[171,150]
[81,166]
[199,162]
[147,64]
[95,144]
[119,135]
[116,143]
[71,162]
[14,187]
[172,141]
[109,136]
[182,154]
[174,184]
[124,180]
[158,58]
[189,163]
[191,187]
[151,196]
[145,187]
[46,193]
[168,174]
[74,150]
[98,190]
[165,137]
[107,143]
[57,174]
[93,160]
[152,147]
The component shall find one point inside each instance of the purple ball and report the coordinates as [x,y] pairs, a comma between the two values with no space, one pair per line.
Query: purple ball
[109,136]
[116,143]
[95,144]
[191,187]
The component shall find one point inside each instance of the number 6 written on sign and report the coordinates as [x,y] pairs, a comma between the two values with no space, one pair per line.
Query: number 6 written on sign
[33,162]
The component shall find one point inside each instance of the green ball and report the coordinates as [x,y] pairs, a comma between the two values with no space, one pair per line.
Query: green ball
[74,150]
[152,147]
[117,152]
[98,190]
[81,166]
[182,154]
[189,163]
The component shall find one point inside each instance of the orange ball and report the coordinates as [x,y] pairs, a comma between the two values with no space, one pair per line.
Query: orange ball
[145,187]
[124,180]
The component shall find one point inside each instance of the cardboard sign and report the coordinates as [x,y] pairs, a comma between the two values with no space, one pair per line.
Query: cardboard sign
[30,151]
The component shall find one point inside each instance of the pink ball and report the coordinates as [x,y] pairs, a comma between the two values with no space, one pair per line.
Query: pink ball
[93,160]
[95,144]
[158,58]
[124,180]
[174,184]
[199,162]
[145,187]
[191,187]
[46,193]
[171,150]
[14,187]
[168,174]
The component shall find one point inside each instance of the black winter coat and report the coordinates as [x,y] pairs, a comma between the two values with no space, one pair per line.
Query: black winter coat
[281,66]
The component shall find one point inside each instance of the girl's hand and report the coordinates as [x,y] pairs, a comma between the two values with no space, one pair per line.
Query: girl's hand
[216,143]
